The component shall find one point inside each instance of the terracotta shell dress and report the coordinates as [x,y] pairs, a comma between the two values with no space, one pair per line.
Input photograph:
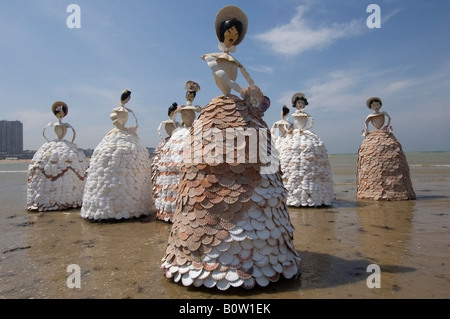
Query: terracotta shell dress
[231,227]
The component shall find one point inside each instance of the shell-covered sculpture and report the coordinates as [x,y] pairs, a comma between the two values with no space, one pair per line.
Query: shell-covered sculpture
[170,156]
[169,126]
[382,168]
[57,172]
[231,226]
[118,185]
[281,127]
[304,161]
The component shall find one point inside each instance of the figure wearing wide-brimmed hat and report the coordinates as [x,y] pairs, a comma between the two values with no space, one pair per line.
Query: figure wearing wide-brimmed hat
[231,26]
[377,118]
[382,168]
[57,172]
[188,110]
[299,102]
[231,226]
[304,163]
[60,109]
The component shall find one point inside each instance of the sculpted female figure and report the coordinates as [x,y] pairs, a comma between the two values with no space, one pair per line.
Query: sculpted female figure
[119,176]
[119,115]
[231,226]
[304,161]
[299,102]
[188,111]
[282,125]
[377,118]
[167,158]
[382,171]
[57,172]
[60,109]
[231,26]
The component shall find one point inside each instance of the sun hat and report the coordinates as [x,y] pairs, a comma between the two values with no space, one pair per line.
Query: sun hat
[374,98]
[60,103]
[230,12]
[299,95]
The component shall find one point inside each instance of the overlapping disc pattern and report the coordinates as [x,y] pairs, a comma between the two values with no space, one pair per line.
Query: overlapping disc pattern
[56,177]
[306,169]
[231,227]
[382,169]
[119,179]
[167,178]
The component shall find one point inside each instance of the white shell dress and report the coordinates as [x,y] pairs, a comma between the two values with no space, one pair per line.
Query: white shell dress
[57,172]
[305,167]
[118,185]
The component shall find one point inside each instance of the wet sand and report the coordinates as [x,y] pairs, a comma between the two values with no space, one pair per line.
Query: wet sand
[408,240]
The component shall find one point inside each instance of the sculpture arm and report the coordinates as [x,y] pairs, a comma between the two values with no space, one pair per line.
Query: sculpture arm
[247,76]
[388,125]
[274,128]
[311,122]
[43,131]
[135,118]
[159,131]
[73,132]
[366,130]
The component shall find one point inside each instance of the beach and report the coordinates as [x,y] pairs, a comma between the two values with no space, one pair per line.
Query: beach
[409,242]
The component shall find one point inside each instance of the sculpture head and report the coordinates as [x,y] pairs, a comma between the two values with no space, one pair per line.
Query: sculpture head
[60,109]
[231,25]
[299,101]
[374,103]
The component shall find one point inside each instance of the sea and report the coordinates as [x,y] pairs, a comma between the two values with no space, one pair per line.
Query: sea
[409,242]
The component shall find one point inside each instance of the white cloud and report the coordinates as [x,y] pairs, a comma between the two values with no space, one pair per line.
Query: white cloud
[262,69]
[396,86]
[342,90]
[298,36]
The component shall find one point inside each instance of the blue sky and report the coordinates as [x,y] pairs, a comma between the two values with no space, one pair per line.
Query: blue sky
[322,48]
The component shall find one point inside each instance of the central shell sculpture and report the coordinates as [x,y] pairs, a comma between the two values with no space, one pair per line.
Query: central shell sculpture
[118,185]
[231,226]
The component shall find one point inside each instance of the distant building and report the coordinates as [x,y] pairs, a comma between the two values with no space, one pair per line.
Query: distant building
[11,139]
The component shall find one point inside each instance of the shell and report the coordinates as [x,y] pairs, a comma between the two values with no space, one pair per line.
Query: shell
[382,169]
[241,209]
[56,177]
[118,184]
[165,180]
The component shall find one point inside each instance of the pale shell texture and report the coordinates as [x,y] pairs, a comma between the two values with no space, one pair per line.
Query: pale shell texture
[167,176]
[56,177]
[156,156]
[118,185]
[305,168]
[231,226]
[382,169]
